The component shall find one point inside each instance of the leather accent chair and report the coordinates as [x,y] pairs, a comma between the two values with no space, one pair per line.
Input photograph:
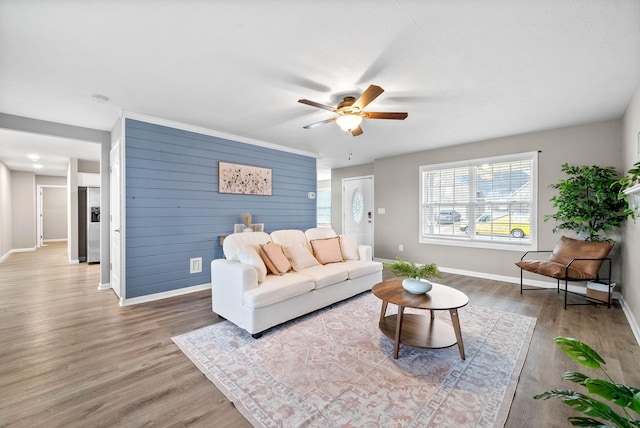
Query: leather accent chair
[571,260]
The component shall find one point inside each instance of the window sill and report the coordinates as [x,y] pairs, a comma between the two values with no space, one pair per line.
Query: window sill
[489,245]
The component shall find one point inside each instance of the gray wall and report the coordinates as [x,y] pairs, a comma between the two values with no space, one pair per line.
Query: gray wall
[54,213]
[631,248]
[23,210]
[5,212]
[397,190]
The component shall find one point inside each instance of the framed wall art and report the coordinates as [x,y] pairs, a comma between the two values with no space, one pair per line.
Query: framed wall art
[244,179]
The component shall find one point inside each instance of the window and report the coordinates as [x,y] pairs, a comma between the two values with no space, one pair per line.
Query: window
[487,203]
[323,207]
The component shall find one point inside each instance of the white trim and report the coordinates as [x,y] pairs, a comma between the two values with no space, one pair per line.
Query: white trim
[22,250]
[54,240]
[630,318]
[74,261]
[165,294]
[212,133]
[16,250]
[104,286]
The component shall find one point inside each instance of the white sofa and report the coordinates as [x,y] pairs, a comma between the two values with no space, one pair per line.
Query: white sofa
[244,293]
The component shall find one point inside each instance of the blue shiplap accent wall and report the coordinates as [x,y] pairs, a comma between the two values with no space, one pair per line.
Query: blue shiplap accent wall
[174,211]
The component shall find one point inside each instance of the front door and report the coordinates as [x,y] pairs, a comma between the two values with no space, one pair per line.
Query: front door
[357,208]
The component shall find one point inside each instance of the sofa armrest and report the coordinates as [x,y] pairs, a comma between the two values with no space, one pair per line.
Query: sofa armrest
[365,252]
[229,280]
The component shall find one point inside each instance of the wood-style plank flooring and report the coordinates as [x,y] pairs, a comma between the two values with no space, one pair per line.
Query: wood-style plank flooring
[71,357]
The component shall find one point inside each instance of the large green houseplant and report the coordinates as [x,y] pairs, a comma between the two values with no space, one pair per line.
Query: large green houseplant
[587,202]
[624,396]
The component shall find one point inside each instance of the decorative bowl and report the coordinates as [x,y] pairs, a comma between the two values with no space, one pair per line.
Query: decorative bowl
[416,285]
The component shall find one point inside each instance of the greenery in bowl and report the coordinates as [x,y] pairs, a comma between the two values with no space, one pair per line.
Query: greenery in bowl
[410,270]
[626,397]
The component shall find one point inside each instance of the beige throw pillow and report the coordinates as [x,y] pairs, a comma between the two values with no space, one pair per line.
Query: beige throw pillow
[300,257]
[327,250]
[349,247]
[274,258]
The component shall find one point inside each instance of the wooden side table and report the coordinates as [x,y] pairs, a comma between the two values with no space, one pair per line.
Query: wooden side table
[418,330]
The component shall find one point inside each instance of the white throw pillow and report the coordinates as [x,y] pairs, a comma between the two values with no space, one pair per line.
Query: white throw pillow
[300,257]
[349,247]
[248,254]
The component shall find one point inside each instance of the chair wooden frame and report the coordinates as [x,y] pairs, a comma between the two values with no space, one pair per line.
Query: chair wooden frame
[590,300]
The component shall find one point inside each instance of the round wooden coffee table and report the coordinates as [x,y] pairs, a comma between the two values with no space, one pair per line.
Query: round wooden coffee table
[417,330]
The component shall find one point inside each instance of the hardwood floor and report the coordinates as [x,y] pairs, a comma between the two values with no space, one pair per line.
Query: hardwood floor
[71,357]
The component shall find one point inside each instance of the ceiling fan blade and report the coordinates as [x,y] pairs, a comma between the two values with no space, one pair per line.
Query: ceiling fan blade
[322,122]
[315,104]
[370,94]
[385,115]
[357,131]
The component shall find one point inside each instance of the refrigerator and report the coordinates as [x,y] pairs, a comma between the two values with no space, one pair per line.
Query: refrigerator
[92,224]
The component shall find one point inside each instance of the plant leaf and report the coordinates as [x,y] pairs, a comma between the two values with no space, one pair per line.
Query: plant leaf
[587,405]
[620,394]
[580,421]
[580,352]
[576,377]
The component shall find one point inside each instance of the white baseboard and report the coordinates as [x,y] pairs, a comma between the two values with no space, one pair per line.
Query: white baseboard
[54,240]
[632,321]
[22,250]
[165,294]
[15,250]
[104,286]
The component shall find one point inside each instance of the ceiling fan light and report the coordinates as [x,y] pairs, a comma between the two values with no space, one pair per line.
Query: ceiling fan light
[349,122]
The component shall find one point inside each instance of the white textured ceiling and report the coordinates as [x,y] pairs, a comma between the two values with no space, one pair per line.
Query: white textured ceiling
[464,70]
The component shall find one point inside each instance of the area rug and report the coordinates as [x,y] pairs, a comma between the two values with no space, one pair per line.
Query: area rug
[334,368]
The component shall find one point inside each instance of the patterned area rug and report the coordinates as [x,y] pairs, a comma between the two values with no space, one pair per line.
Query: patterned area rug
[334,368]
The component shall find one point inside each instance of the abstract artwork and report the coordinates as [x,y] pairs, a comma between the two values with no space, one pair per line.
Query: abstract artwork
[243,179]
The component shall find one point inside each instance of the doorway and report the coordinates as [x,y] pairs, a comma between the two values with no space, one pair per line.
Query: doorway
[357,208]
[52,213]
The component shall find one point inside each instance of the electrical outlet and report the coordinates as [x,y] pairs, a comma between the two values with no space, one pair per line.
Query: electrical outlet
[400,247]
[195,265]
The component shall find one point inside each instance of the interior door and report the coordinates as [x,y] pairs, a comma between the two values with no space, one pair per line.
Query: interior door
[115,220]
[357,208]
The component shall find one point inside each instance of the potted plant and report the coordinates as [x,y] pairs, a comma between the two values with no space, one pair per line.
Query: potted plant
[415,275]
[624,396]
[588,202]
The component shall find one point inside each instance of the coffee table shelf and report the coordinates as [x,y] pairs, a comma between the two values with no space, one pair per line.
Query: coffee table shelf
[419,330]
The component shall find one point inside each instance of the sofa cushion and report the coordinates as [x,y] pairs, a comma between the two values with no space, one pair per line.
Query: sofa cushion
[323,276]
[276,289]
[349,247]
[274,258]
[327,250]
[319,233]
[248,254]
[300,257]
[358,268]
[234,241]
[289,238]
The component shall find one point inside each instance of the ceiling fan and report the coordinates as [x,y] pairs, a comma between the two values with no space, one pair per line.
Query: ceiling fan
[350,111]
